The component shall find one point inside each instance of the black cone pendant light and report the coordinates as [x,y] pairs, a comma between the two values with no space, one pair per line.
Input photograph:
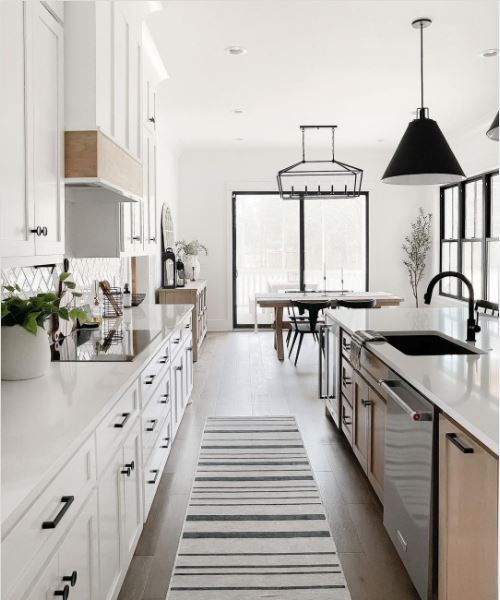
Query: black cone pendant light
[492,132]
[423,156]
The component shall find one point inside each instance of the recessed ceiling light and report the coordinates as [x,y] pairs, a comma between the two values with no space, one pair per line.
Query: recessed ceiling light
[379,140]
[235,50]
[489,52]
[238,139]
[238,111]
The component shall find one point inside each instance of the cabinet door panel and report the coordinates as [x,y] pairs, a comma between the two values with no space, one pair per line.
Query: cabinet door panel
[48,131]
[468,517]
[178,391]
[361,413]
[16,201]
[78,553]
[110,487]
[121,41]
[150,209]
[376,442]
[135,124]
[188,371]
[132,494]
[48,582]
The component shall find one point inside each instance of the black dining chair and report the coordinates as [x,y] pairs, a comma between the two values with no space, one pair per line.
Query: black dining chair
[300,326]
[368,303]
[484,306]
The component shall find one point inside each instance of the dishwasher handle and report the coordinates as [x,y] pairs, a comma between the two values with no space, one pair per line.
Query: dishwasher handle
[414,412]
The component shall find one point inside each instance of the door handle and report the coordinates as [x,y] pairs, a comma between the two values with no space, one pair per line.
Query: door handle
[154,423]
[453,438]
[366,403]
[156,473]
[167,440]
[126,417]
[67,501]
[389,386]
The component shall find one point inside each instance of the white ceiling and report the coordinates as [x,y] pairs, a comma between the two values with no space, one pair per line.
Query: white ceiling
[353,63]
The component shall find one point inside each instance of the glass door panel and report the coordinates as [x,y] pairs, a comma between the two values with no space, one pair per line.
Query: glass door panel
[493,267]
[335,244]
[472,267]
[267,251]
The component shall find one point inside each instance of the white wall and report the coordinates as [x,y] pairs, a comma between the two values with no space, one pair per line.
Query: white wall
[208,176]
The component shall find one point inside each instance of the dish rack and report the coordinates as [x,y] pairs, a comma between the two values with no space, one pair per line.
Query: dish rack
[108,309]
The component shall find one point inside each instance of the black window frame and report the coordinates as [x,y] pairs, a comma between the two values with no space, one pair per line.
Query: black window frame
[301,224]
[484,239]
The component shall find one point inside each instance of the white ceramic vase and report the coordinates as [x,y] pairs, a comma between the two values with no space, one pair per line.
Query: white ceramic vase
[24,355]
[191,261]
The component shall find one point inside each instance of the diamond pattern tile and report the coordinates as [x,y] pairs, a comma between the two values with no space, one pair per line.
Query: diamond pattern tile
[33,280]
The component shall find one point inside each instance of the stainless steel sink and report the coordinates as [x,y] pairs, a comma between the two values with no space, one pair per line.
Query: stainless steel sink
[427,343]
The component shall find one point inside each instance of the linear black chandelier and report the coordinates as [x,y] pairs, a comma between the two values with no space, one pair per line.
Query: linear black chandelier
[423,156]
[319,179]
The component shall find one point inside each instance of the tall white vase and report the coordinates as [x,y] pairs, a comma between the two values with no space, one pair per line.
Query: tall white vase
[24,355]
[191,261]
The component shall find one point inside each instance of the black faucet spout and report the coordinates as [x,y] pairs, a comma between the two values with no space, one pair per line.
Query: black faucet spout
[472,326]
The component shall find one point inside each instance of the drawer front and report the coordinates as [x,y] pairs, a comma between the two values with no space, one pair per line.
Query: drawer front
[154,468]
[40,530]
[347,419]
[346,343]
[153,417]
[346,379]
[152,374]
[115,426]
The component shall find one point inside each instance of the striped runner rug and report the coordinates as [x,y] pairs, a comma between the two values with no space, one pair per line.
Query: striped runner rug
[255,526]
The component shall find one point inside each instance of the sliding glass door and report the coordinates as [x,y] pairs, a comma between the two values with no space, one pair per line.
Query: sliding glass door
[295,245]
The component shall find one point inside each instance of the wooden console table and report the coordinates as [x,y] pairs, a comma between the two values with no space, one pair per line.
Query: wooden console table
[195,293]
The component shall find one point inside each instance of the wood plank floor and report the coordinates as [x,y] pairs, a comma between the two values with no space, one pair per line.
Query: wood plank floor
[238,374]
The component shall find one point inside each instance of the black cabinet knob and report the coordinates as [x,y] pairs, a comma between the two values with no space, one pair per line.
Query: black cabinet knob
[64,593]
[153,239]
[152,120]
[44,231]
[71,578]
[137,238]
[130,465]
[126,471]
[37,230]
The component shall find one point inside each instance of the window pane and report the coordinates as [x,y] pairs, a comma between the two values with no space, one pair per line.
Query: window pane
[267,251]
[495,206]
[474,209]
[493,266]
[451,213]
[449,262]
[472,267]
[335,243]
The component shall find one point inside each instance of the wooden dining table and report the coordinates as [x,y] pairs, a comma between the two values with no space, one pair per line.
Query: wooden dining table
[279,300]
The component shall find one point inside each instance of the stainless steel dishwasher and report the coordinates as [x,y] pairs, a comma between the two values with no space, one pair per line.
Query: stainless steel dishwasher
[410,474]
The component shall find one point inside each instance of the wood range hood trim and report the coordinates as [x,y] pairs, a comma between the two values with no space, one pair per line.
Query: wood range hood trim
[93,161]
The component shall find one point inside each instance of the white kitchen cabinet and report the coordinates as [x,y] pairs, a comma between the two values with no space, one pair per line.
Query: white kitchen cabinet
[188,371]
[73,567]
[120,512]
[150,192]
[177,391]
[150,81]
[31,151]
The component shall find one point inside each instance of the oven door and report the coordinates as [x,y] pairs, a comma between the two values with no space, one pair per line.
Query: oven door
[329,356]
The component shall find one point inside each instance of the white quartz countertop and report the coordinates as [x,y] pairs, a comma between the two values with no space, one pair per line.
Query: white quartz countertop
[44,419]
[466,387]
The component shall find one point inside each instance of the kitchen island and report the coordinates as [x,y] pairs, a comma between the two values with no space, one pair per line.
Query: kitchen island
[83,449]
[424,428]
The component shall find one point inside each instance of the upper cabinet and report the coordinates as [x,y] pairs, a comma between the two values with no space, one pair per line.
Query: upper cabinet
[31,148]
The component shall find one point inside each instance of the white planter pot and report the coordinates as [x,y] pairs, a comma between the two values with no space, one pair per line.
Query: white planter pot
[24,355]
[191,261]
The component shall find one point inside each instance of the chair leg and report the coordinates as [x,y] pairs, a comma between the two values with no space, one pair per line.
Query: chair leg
[298,348]
[288,336]
[293,343]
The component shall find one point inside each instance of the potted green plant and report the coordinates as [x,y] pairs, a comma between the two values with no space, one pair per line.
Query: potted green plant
[190,252]
[25,342]
[416,247]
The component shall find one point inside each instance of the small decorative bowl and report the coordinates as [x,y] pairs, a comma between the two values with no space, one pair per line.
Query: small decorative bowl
[137,299]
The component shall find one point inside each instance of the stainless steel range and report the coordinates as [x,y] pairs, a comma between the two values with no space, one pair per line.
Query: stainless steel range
[112,343]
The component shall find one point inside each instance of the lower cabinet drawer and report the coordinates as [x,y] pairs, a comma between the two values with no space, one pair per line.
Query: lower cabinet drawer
[154,467]
[39,532]
[153,417]
[152,374]
[347,419]
[115,426]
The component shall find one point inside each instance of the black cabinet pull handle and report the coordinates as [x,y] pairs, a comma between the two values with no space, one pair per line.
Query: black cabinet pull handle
[453,438]
[156,473]
[151,379]
[136,238]
[71,578]
[37,230]
[154,423]
[64,592]
[178,368]
[187,325]
[126,417]
[126,471]
[367,402]
[346,380]
[44,231]
[346,345]
[153,239]
[67,501]
[177,340]
[189,349]
[152,120]
[346,422]
[163,359]
[167,439]
[165,396]
[130,465]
